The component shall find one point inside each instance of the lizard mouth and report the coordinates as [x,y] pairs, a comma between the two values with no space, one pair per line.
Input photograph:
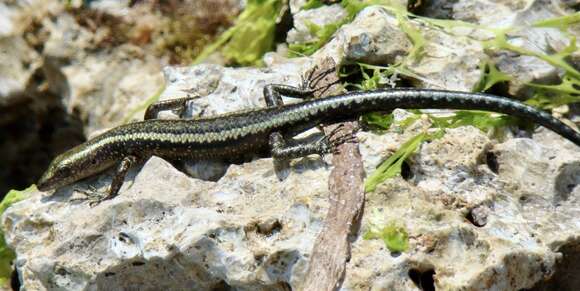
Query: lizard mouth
[44,183]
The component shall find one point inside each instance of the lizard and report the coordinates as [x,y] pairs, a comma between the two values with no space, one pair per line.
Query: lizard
[235,134]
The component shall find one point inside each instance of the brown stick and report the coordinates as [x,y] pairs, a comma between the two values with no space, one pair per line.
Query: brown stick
[331,251]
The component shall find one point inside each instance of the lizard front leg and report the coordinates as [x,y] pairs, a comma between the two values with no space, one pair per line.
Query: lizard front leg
[95,197]
[280,149]
[172,104]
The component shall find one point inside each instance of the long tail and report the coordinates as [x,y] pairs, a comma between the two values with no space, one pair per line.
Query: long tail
[410,98]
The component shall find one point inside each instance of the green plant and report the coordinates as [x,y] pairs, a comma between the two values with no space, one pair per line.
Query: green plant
[392,166]
[6,254]
[251,36]
[393,234]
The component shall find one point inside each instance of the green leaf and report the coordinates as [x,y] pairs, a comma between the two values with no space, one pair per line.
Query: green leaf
[414,35]
[6,254]
[562,23]
[483,120]
[550,96]
[392,166]
[251,36]
[322,34]
[405,123]
[378,121]
[311,4]
[394,236]
[557,60]
[491,76]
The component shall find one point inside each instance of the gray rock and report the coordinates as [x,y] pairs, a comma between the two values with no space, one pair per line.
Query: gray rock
[374,37]
[521,15]
[250,230]
[223,90]
[321,16]
[247,231]
[546,173]
[17,64]
[480,214]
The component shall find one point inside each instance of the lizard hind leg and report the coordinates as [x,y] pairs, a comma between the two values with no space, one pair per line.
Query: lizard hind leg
[281,150]
[310,80]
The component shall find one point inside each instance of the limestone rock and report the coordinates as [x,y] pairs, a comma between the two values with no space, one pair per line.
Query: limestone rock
[520,15]
[249,230]
[18,63]
[321,16]
[375,37]
[480,214]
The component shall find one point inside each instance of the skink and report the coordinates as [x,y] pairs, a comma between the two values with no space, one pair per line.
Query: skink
[232,135]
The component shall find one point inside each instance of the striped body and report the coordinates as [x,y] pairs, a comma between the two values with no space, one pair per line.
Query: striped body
[234,134]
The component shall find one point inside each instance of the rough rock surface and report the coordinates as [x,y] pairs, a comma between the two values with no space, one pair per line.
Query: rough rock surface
[250,231]
[521,15]
[86,66]
[375,37]
[480,214]
[321,16]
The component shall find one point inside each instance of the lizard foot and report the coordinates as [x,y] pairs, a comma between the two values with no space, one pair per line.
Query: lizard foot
[330,142]
[310,80]
[92,195]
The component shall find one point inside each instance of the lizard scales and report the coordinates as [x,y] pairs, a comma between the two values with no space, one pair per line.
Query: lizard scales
[233,134]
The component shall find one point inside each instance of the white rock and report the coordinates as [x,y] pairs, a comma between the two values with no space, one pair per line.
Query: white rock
[469,227]
[321,16]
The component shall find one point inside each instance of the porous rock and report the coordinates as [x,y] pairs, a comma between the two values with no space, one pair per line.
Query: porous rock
[376,37]
[250,230]
[472,222]
[520,16]
[304,19]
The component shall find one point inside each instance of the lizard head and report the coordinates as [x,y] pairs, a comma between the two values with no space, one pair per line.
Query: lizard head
[73,165]
[59,173]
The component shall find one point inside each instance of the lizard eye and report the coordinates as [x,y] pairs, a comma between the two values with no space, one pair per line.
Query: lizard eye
[65,171]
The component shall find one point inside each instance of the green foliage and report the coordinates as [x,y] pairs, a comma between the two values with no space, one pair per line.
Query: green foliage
[414,35]
[371,82]
[557,60]
[490,76]
[322,34]
[394,236]
[312,4]
[550,96]
[380,77]
[500,39]
[485,121]
[6,254]
[545,96]
[374,81]
[378,121]
[251,37]
[562,23]
[392,166]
